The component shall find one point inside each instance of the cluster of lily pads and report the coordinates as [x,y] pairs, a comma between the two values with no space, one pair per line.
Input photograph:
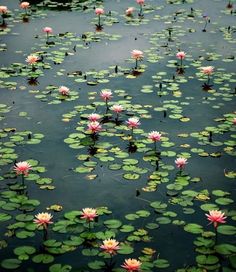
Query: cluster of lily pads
[107,134]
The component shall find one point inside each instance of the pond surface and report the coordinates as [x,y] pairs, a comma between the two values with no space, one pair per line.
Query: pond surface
[155,210]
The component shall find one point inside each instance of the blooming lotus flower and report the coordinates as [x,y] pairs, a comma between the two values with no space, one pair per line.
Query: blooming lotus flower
[181,162]
[22,168]
[43,219]
[94,117]
[131,265]
[3,9]
[129,11]
[137,54]
[24,5]
[99,11]
[94,127]
[117,108]
[106,95]
[89,214]
[180,55]
[140,2]
[154,136]
[47,30]
[63,90]
[208,70]
[110,246]
[133,122]
[32,59]
[216,217]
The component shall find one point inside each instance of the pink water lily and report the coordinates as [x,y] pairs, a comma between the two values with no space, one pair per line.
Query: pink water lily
[106,95]
[216,217]
[3,9]
[63,90]
[94,117]
[117,108]
[89,214]
[181,55]
[140,2]
[133,123]
[234,121]
[22,168]
[47,30]
[154,136]
[137,55]
[129,11]
[131,265]
[94,127]
[43,219]
[99,12]
[208,70]
[24,5]
[32,59]
[110,246]
[181,163]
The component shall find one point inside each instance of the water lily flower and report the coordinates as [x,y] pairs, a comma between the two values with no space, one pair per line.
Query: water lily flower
[216,217]
[22,168]
[154,136]
[93,117]
[181,55]
[208,70]
[89,214]
[129,11]
[110,246]
[141,3]
[48,30]
[63,90]
[106,95]
[43,219]
[234,121]
[99,12]
[180,163]
[137,55]
[131,265]
[3,9]
[117,108]
[32,59]
[94,127]
[133,122]
[24,5]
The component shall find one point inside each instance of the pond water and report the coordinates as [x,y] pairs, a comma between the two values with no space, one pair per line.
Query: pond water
[155,210]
